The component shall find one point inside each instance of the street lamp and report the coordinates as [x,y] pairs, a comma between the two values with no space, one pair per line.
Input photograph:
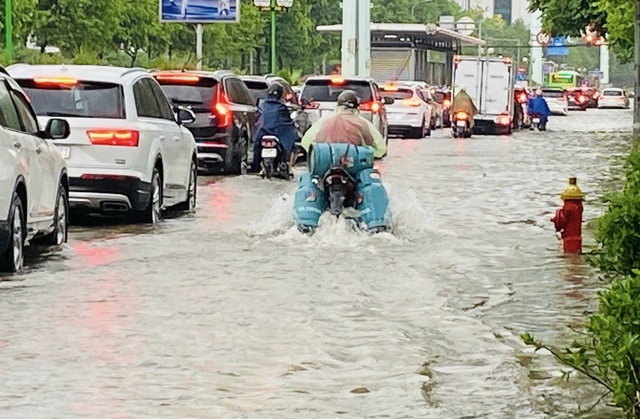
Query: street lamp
[273,6]
[413,8]
[8,31]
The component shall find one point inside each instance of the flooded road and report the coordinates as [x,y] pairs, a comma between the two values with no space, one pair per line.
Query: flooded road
[231,313]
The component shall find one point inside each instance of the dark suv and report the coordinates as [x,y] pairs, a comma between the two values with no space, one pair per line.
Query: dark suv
[225,116]
[258,86]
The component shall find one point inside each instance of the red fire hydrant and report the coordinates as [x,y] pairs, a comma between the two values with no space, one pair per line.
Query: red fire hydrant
[568,219]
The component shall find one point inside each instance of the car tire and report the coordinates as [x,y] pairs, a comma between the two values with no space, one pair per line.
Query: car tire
[61,220]
[192,190]
[418,132]
[152,214]
[12,259]
[239,160]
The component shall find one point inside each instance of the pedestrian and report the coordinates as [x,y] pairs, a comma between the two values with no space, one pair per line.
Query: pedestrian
[223,7]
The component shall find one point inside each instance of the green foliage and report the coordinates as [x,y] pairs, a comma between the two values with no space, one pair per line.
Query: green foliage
[292,77]
[609,354]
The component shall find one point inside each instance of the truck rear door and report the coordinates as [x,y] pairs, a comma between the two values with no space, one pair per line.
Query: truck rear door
[497,93]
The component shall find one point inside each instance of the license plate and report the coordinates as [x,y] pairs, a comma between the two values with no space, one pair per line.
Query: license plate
[461,124]
[536,120]
[269,152]
[65,152]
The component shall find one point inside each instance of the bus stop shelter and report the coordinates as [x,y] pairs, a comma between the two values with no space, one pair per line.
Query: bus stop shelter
[409,51]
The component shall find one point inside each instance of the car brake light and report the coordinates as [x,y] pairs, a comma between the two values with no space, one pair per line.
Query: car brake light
[503,120]
[122,138]
[337,80]
[412,102]
[66,81]
[581,99]
[462,116]
[221,109]
[371,107]
[446,103]
[178,78]
[390,88]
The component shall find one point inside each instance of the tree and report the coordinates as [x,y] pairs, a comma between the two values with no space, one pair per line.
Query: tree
[138,28]
[22,16]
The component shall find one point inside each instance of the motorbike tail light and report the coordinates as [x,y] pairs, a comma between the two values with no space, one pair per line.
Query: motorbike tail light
[221,108]
[371,107]
[268,144]
[414,103]
[462,116]
[121,138]
[446,103]
[522,98]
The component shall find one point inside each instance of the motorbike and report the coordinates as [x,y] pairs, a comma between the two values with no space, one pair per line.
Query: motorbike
[302,123]
[536,123]
[274,161]
[343,182]
[461,126]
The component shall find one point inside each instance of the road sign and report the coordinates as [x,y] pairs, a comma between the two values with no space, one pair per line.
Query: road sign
[543,38]
[596,74]
[558,47]
[199,11]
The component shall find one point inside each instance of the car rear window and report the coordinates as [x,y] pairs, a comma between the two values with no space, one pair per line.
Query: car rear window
[198,95]
[326,91]
[70,98]
[258,89]
[440,96]
[398,94]
[553,93]
[612,93]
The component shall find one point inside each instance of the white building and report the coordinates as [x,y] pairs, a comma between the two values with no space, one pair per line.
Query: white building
[511,10]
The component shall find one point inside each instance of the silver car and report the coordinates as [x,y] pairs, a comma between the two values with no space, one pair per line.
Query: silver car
[320,96]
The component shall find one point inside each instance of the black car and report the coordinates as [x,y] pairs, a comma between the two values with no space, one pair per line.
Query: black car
[443,97]
[225,116]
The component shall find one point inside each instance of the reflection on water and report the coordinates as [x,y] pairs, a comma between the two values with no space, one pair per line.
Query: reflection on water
[230,312]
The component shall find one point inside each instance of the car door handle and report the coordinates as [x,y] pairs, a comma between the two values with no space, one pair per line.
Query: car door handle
[17,145]
[162,138]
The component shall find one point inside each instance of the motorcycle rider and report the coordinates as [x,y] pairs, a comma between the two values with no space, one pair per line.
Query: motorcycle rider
[346,126]
[275,120]
[537,105]
[462,102]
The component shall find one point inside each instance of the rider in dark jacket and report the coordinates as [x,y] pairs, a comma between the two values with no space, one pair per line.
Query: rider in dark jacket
[538,106]
[274,119]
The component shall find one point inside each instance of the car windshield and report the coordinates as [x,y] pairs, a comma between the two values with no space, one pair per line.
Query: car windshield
[326,91]
[612,93]
[398,94]
[258,89]
[199,95]
[81,99]
[553,93]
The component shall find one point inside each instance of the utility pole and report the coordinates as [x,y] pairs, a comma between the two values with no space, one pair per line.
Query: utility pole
[8,31]
[636,99]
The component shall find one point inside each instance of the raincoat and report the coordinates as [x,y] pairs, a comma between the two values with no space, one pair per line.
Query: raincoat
[274,119]
[345,126]
[538,105]
[462,102]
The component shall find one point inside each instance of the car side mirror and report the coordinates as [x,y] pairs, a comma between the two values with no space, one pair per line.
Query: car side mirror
[186,116]
[388,100]
[56,129]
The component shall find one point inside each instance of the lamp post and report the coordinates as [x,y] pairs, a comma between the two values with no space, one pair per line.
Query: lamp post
[273,6]
[413,8]
[8,31]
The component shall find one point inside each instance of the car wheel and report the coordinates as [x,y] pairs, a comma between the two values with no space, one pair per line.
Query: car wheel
[152,214]
[418,132]
[192,189]
[235,163]
[12,259]
[61,220]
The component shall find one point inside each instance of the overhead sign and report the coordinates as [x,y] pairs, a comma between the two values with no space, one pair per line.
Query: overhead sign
[558,47]
[543,39]
[200,11]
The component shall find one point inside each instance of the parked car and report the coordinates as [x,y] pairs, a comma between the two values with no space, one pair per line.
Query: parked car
[126,152]
[410,114]
[226,115]
[577,100]
[34,184]
[443,97]
[613,98]
[320,95]
[557,100]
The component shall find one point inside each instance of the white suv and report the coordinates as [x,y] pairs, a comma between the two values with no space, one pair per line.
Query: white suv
[33,178]
[127,152]
[410,114]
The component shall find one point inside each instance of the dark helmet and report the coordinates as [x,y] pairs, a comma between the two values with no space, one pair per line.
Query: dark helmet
[348,98]
[276,89]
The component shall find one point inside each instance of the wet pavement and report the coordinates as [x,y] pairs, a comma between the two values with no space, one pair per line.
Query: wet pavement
[231,313]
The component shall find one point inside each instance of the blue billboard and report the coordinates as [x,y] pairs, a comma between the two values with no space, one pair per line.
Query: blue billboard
[200,11]
[558,47]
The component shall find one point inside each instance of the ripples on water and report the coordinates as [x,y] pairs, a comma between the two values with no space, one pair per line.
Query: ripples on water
[232,313]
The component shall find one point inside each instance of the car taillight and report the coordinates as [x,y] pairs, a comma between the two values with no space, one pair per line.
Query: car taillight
[411,102]
[581,99]
[503,120]
[371,107]
[221,109]
[446,103]
[462,116]
[121,138]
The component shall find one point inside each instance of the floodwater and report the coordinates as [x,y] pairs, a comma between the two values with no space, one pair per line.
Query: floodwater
[231,313]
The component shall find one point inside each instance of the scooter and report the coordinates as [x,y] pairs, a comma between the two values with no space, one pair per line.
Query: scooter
[536,123]
[461,126]
[274,162]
